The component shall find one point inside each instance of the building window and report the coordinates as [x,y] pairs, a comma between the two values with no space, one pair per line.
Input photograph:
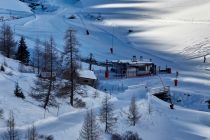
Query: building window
[85,81]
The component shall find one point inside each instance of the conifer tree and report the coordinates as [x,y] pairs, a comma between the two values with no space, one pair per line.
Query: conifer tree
[22,52]
[18,92]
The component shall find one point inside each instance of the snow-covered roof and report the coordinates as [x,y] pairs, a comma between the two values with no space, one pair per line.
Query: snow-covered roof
[87,74]
[143,61]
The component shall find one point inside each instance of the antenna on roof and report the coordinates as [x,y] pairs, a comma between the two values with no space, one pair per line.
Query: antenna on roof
[141,58]
[134,59]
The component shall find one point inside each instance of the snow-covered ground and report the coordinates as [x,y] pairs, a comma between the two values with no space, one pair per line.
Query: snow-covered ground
[14,5]
[170,32]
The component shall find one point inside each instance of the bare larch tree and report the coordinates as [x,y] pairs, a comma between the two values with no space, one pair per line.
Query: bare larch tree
[107,114]
[43,90]
[49,92]
[7,43]
[133,114]
[70,66]
[90,128]
[11,133]
[32,134]
[37,55]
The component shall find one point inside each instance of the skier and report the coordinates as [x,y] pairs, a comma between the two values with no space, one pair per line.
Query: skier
[111,50]
[204,59]
[177,74]
[87,32]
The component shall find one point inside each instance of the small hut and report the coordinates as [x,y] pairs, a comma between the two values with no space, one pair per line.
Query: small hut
[87,77]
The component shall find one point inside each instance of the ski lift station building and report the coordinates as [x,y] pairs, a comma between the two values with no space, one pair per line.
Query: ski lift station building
[134,67]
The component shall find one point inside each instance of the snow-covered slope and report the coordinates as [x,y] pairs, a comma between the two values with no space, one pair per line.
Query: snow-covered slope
[171,32]
[14,5]
[28,111]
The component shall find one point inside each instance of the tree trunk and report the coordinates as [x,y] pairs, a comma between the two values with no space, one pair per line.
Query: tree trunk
[72,74]
[48,95]
[51,77]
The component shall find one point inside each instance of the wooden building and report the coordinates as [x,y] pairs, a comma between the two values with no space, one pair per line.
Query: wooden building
[87,77]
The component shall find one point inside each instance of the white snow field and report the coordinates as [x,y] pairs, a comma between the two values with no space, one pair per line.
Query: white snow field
[175,33]
[14,5]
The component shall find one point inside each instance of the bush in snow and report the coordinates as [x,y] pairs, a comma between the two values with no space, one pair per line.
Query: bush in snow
[2,68]
[78,103]
[50,137]
[131,136]
[18,92]
[116,137]
[72,17]
[1,113]
[43,137]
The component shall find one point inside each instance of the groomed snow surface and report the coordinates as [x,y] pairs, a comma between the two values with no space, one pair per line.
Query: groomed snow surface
[14,5]
[170,32]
